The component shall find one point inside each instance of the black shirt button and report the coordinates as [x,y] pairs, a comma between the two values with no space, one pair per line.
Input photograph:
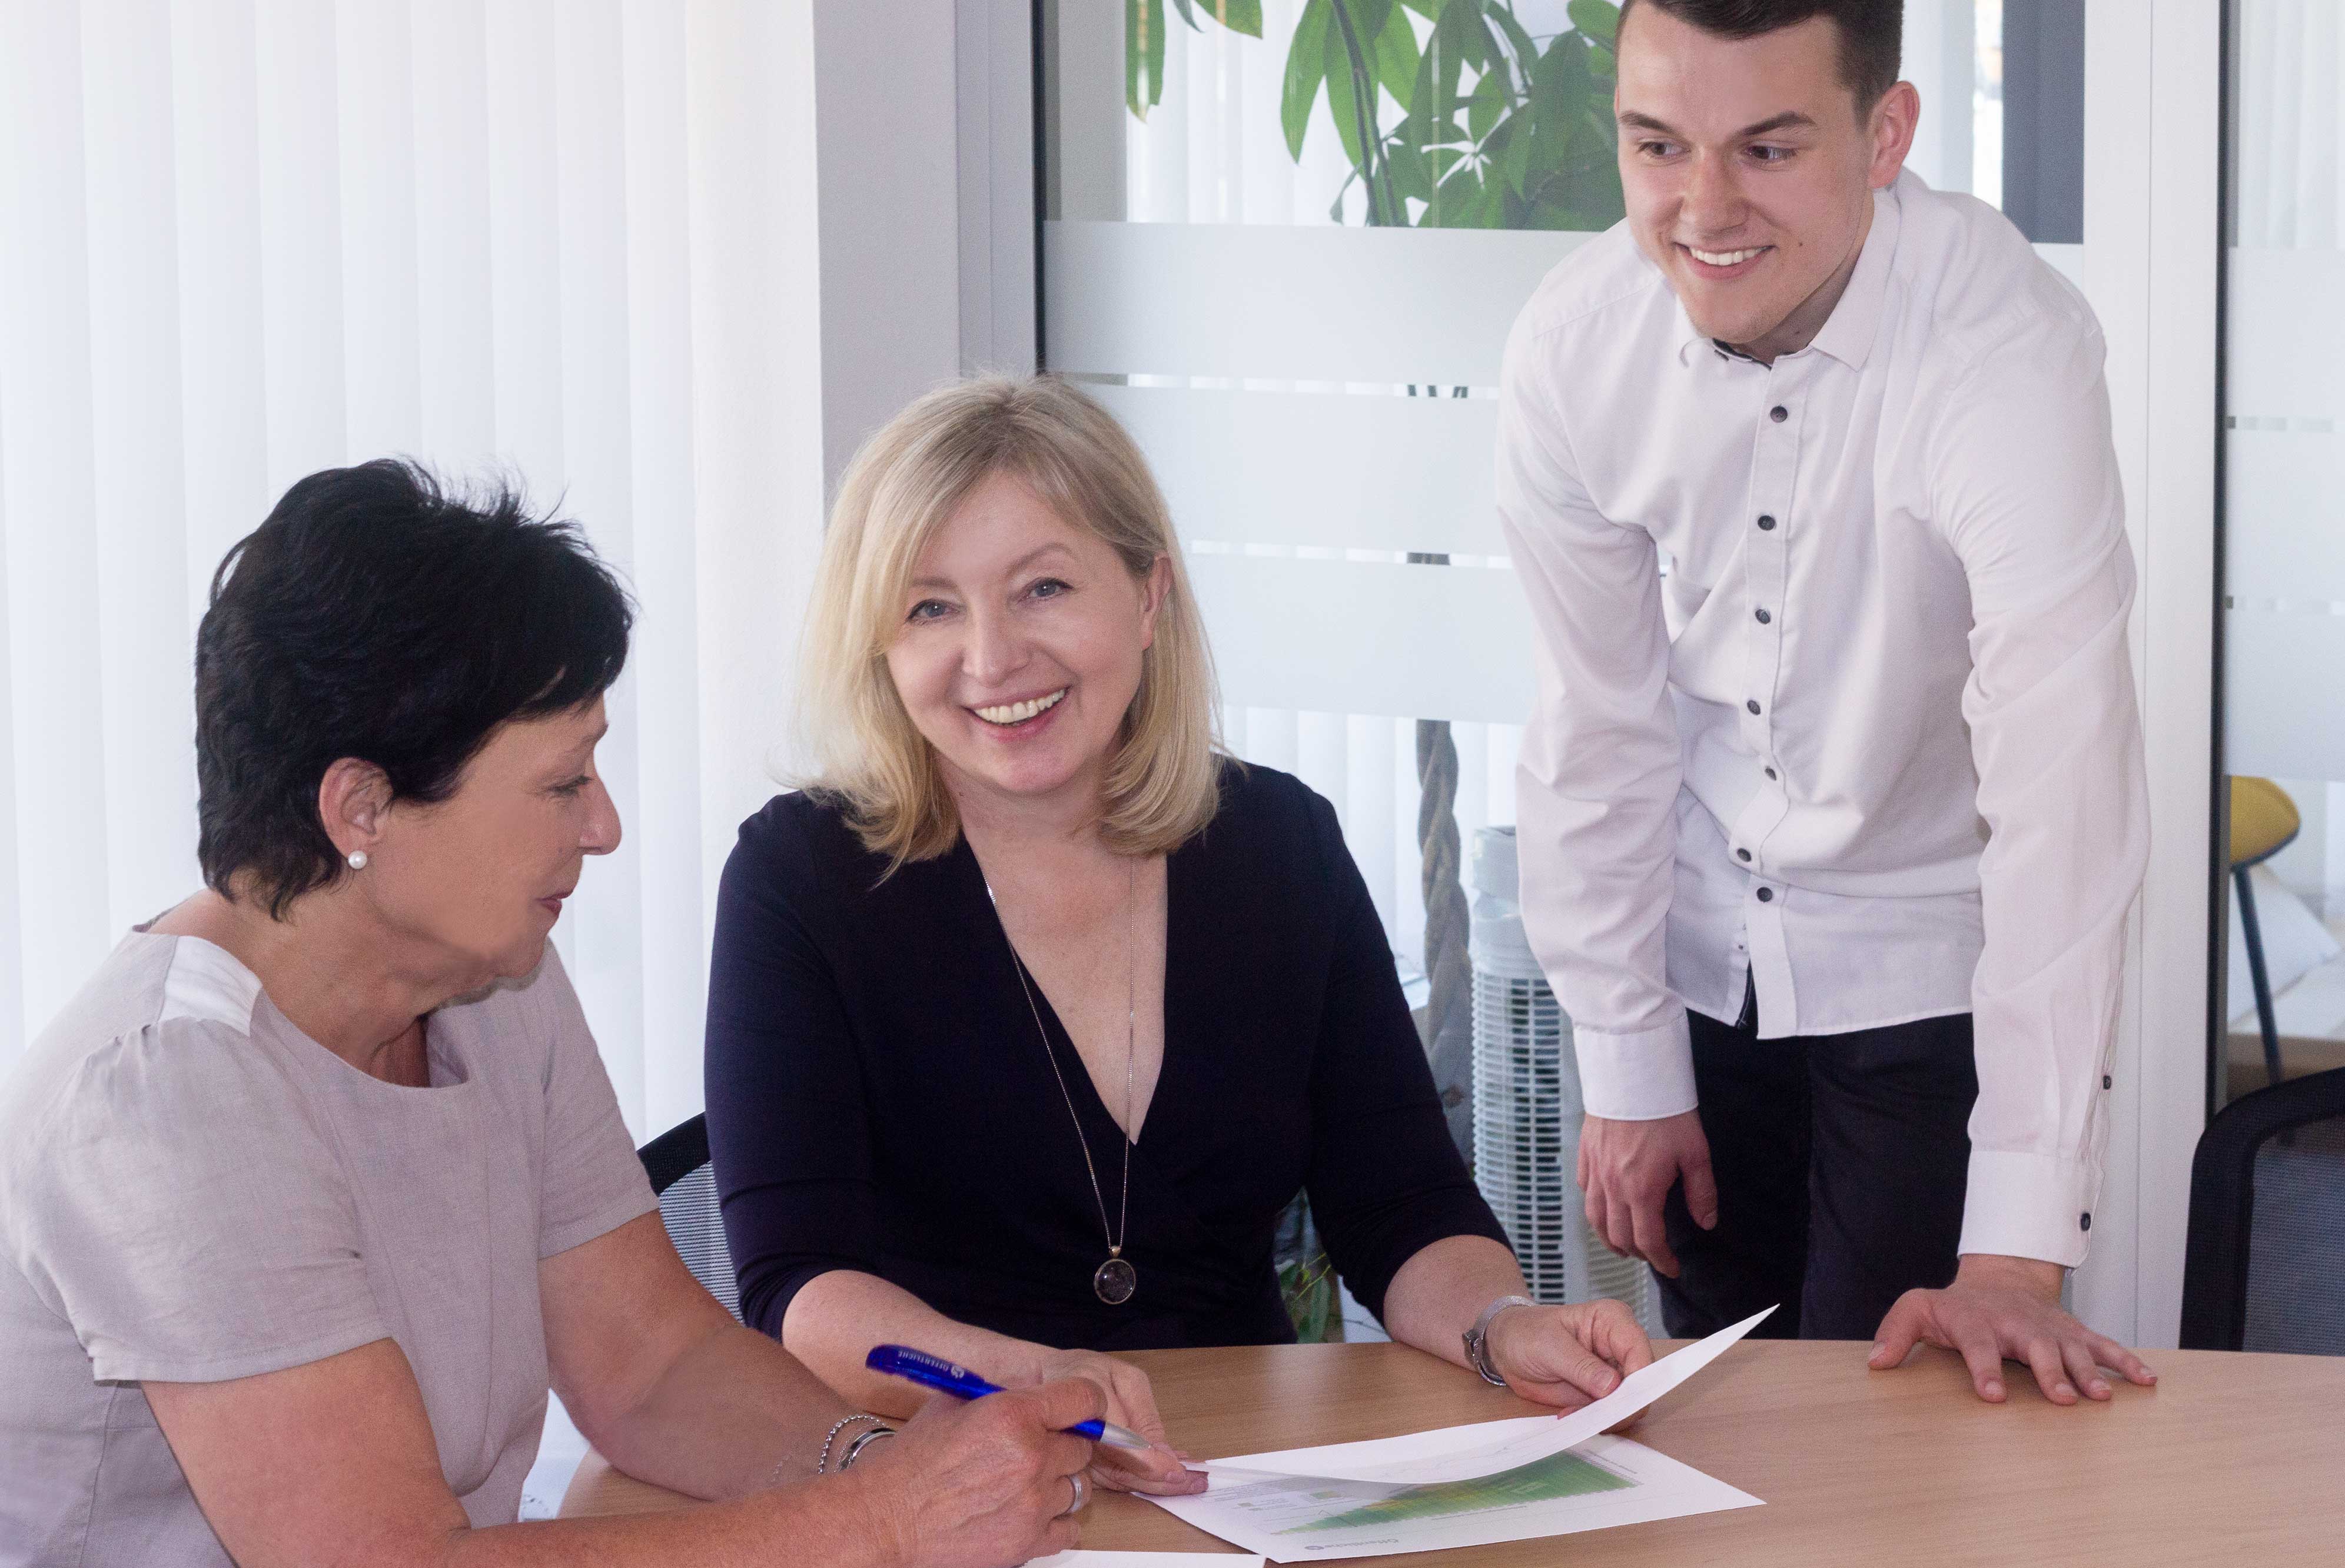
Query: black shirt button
[1742,854]
[1764,618]
[1771,772]
[2084,1222]
[1766,523]
[1766,895]
[1779,413]
[2104,1080]
[1752,706]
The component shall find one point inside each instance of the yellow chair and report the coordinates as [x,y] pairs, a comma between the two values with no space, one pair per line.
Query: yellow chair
[2264,821]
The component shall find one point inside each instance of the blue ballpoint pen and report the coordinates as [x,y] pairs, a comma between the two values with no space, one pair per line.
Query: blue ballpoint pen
[946,1378]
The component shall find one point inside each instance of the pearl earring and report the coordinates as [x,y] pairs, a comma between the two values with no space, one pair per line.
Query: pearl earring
[358,860]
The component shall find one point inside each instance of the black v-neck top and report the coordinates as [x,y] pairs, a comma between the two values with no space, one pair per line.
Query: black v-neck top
[878,1098]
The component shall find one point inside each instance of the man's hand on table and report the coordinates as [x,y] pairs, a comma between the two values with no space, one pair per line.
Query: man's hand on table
[2002,1309]
[1566,1356]
[1627,1168]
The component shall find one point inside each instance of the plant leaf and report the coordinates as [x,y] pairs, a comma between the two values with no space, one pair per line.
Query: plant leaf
[1345,91]
[1144,56]
[1306,67]
[1487,107]
[1352,94]
[1464,34]
[1527,53]
[1517,158]
[1489,209]
[1396,58]
[1561,83]
[1433,102]
[1596,18]
[1412,172]
[1188,16]
[1242,16]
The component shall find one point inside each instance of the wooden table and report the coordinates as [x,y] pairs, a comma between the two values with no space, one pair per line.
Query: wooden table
[2231,1459]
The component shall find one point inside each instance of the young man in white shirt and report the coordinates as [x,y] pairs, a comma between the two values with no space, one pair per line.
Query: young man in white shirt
[1828,828]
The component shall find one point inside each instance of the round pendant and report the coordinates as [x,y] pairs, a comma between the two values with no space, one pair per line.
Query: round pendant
[1115,1281]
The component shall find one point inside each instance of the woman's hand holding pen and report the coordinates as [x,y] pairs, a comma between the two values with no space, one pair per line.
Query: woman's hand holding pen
[984,1483]
[1158,1469]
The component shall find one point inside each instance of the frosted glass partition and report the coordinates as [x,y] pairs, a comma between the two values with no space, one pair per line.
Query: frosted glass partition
[2284,570]
[1367,637]
[1387,473]
[2283,517]
[1394,305]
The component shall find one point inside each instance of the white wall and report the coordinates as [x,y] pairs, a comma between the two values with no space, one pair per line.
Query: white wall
[887,128]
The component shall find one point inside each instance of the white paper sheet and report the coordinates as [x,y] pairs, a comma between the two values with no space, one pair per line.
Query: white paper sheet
[1483,1448]
[1082,1558]
[1605,1482]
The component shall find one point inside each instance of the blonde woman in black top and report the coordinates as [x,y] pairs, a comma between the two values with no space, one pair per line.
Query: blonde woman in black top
[1032,1012]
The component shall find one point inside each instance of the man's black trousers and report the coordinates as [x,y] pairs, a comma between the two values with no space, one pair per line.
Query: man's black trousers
[1841,1162]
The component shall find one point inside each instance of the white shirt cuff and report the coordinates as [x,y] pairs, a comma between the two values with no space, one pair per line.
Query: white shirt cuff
[2029,1206]
[1639,1076]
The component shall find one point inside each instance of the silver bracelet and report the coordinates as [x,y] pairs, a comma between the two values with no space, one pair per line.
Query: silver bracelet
[822,1465]
[863,1440]
[1478,1338]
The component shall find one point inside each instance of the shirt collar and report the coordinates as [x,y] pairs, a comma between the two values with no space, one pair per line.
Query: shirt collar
[1856,321]
[1848,334]
[1690,337]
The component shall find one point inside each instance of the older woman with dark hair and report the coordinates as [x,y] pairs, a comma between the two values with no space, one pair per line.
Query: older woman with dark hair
[318,1183]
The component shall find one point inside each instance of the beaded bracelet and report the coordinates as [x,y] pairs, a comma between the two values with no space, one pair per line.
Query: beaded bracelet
[822,1465]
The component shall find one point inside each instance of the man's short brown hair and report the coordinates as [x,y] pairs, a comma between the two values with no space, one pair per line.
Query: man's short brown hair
[1872,32]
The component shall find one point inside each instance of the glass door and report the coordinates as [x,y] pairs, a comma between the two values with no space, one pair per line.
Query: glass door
[2281,1008]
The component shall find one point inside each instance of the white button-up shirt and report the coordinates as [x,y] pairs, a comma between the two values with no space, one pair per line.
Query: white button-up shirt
[1869,739]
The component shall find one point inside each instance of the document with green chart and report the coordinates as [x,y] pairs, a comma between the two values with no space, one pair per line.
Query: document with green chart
[1465,1485]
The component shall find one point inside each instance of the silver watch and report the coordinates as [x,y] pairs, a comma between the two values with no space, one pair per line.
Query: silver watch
[1478,1338]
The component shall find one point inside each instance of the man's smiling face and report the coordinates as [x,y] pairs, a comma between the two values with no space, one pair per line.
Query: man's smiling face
[1748,172]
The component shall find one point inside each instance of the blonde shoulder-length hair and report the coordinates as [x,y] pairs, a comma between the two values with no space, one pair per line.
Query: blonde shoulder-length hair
[1162,781]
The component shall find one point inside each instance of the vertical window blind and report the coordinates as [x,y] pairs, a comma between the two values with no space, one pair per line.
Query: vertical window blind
[564,242]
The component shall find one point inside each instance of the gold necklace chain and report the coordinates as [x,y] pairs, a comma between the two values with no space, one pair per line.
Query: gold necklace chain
[1116,1238]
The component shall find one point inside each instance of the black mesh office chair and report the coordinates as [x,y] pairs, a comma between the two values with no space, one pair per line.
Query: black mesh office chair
[2265,1269]
[677,1163]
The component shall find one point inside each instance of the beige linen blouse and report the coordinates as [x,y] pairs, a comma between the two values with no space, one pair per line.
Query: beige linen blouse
[193,1190]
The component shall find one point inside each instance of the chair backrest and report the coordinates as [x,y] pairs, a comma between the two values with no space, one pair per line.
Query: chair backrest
[677,1163]
[2265,1268]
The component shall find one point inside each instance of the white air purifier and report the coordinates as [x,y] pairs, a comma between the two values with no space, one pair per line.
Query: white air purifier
[1527,1104]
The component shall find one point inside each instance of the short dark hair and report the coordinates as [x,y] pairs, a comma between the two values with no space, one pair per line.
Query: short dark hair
[377,614]
[1872,32]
